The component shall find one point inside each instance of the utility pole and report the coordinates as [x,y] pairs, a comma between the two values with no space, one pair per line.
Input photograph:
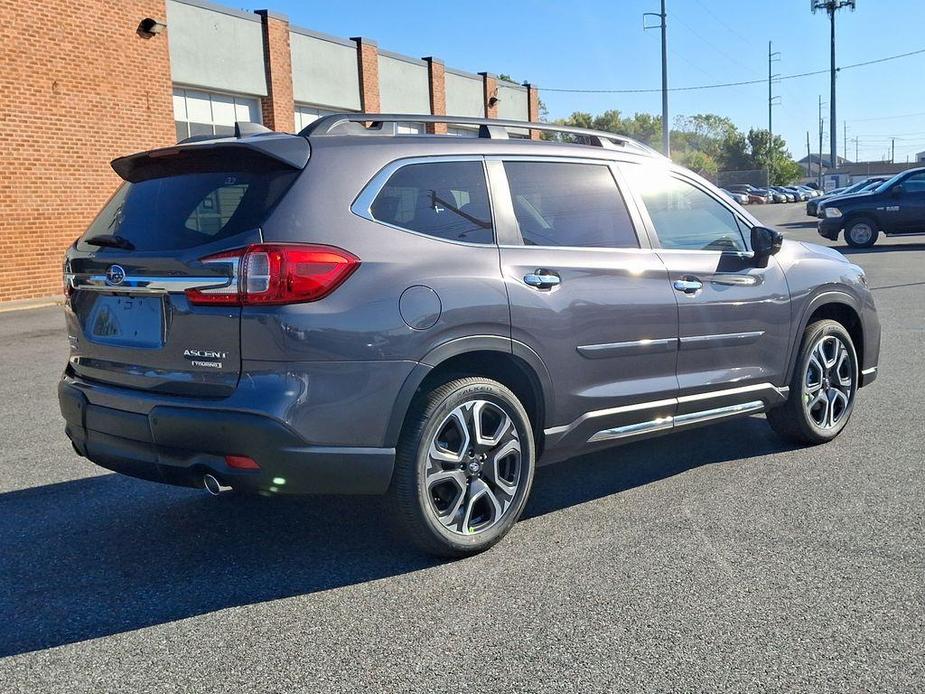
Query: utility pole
[820,142]
[772,56]
[893,150]
[856,157]
[845,138]
[663,25]
[809,158]
[831,7]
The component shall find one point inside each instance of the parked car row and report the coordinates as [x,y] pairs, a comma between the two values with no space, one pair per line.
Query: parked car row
[746,194]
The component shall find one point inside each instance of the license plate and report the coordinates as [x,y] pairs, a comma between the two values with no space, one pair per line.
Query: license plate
[126,321]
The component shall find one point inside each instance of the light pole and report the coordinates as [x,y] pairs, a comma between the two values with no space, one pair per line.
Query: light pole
[831,7]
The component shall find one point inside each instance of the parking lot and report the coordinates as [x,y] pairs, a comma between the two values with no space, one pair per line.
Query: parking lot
[719,559]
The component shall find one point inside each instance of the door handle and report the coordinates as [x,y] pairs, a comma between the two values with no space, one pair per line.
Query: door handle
[542,279]
[688,285]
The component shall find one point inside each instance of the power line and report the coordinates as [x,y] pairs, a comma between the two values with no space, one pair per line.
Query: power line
[735,84]
[902,115]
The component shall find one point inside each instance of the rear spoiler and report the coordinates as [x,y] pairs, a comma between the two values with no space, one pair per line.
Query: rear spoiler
[261,150]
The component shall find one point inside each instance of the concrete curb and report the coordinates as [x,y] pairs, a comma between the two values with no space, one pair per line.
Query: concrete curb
[26,304]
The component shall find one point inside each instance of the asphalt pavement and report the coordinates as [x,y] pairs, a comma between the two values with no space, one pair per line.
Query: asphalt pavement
[719,559]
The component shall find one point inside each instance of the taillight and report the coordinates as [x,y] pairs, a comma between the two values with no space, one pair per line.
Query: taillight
[278,274]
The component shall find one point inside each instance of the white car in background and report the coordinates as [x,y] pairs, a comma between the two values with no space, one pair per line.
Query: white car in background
[740,198]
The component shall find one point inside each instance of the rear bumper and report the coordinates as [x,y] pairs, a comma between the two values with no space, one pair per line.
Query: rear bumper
[179,445]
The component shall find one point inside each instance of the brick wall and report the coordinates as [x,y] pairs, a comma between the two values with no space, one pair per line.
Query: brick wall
[78,87]
[278,107]
[490,94]
[368,64]
[533,108]
[436,80]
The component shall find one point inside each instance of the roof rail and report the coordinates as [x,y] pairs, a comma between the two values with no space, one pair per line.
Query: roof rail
[490,128]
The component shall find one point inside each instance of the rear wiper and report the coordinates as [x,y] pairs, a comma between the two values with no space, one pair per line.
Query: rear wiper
[111,241]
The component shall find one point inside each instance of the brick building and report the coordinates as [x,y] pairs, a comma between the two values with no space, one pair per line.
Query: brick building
[81,83]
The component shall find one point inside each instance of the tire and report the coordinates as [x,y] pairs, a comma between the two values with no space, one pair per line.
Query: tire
[827,372]
[861,232]
[449,502]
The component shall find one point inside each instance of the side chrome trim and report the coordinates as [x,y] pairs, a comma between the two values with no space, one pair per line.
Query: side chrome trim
[565,428]
[868,372]
[611,349]
[718,413]
[721,339]
[664,423]
[659,424]
[734,391]
[781,392]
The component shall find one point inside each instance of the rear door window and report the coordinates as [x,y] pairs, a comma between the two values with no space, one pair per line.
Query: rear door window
[188,210]
[569,204]
[447,200]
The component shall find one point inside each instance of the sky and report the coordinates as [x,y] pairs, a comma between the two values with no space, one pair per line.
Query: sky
[596,44]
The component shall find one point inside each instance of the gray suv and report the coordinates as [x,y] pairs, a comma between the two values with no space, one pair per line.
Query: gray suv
[350,310]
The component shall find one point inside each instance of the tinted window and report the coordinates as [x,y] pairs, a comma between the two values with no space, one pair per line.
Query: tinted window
[187,210]
[915,183]
[448,200]
[560,204]
[686,217]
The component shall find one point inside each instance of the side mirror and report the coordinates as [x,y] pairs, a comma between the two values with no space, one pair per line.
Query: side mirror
[765,243]
[897,190]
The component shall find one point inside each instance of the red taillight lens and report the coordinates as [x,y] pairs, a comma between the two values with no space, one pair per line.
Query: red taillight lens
[241,462]
[278,274]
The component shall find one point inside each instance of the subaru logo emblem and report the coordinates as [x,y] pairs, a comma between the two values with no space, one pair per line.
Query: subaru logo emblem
[115,275]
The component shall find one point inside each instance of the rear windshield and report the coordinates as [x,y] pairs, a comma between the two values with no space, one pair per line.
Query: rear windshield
[188,210]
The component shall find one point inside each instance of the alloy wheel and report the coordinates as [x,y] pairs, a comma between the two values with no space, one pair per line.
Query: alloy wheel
[473,467]
[828,386]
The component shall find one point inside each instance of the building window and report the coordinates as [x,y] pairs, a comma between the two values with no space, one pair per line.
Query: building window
[463,130]
[410,129]
[305,115]
[208,113]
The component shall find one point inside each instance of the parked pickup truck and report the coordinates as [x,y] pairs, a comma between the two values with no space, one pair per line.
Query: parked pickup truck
[895,207]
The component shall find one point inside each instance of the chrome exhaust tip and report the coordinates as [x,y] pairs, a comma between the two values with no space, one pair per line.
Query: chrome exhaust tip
[211,485]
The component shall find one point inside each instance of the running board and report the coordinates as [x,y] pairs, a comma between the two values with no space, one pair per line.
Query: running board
[665,423]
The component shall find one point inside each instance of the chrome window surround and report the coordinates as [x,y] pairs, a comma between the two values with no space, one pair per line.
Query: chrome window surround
[362,205]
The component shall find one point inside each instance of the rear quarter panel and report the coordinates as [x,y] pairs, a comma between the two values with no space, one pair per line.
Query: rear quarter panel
[361,320]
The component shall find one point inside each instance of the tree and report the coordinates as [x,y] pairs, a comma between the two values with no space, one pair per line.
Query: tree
[780,165]
[698,162]
[706,142]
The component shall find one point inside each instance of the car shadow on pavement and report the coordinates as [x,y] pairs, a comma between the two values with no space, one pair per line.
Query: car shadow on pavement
[617,469]
[109,554]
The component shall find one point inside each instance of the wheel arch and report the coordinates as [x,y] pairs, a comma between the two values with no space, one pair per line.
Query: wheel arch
[854,215]
[511,363]
[833,305]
